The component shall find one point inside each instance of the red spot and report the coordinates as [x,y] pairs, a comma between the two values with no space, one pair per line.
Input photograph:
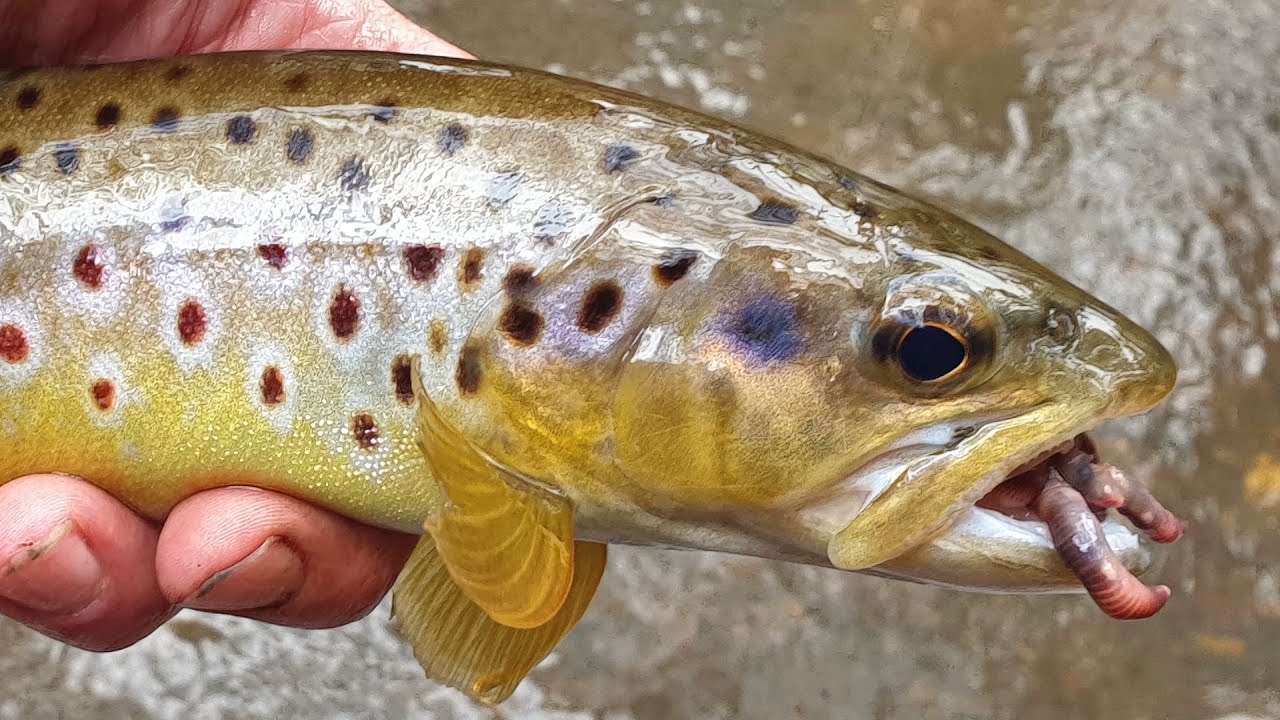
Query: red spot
[104,394]
[344,313]
[13,344]
[192,322]
[276,255]
[272,385]
[365,431]
[423,261]
[88,267]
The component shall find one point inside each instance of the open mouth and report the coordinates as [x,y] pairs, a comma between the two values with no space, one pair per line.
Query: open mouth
[1072,491]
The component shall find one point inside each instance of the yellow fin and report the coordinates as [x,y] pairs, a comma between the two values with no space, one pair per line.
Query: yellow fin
[459,645]
[507,543]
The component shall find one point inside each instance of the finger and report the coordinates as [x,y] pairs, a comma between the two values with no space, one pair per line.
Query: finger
[274,558]
[307,25]
[77,564]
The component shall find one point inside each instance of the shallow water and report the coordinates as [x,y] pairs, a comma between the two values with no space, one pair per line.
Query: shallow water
[1134,147]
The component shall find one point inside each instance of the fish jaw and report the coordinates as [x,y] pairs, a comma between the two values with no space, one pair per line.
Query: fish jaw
[997,544]
[933,491]
[988,552]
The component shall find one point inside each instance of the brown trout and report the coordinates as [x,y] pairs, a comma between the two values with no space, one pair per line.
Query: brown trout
[525,317]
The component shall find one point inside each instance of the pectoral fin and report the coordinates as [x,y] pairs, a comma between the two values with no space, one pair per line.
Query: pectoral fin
[460,645]
[507,543]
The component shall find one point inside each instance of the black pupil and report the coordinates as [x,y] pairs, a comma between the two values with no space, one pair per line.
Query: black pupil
[928,353]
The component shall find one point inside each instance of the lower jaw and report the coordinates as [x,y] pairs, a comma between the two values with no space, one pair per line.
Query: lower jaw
[1048,528]
[989,552]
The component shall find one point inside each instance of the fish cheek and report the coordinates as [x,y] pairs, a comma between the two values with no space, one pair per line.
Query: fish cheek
[731,399]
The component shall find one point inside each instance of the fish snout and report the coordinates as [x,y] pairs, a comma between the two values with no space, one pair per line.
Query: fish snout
[1138,370]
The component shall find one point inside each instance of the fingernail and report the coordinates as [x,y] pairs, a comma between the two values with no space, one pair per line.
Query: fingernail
[268,577]
[58,575]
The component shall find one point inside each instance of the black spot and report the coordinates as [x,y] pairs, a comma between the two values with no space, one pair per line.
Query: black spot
[847,183]
[521,324]
[354,176]
[165,120]
[674,267]
[519,280]
[300,145]
[108,116]
[177,73]
[68,158]
[666,202]
[297,82]
[402,379]
[452,137]
[10,161]
[618,157]
[241,130]
[600,306]
[470,371]
[384,112]
[776,213]
[767,329]
[28,98]
[472,267]
[863,210]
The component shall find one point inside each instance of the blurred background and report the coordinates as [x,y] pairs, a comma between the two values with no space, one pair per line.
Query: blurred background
[1132,146]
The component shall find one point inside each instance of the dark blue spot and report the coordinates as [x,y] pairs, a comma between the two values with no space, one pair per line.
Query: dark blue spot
[618,157]
[300,145]
[776,213]
[354,176]
[241,130]
[68,157]
[384,112]
[767,329]
[175,224]
[452,137]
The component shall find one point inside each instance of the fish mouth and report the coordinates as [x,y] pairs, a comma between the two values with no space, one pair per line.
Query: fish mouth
[1072,493]
[1051,526]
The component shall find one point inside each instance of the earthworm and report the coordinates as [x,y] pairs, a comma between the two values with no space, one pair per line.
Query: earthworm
[1081,473]
[1079,539]
[1139,505]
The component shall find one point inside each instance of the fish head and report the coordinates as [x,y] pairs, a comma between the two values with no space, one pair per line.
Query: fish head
[792,390]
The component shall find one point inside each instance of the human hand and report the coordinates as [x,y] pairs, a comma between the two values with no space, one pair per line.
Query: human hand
[77,564]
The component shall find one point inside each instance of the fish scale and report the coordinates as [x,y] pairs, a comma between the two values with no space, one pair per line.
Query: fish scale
[525,316]
[183,213]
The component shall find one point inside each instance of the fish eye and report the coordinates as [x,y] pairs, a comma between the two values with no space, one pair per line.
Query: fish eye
[932,346]
[931,352]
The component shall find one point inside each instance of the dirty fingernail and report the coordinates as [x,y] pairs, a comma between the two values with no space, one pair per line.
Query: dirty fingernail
[268,577]
[58,575]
